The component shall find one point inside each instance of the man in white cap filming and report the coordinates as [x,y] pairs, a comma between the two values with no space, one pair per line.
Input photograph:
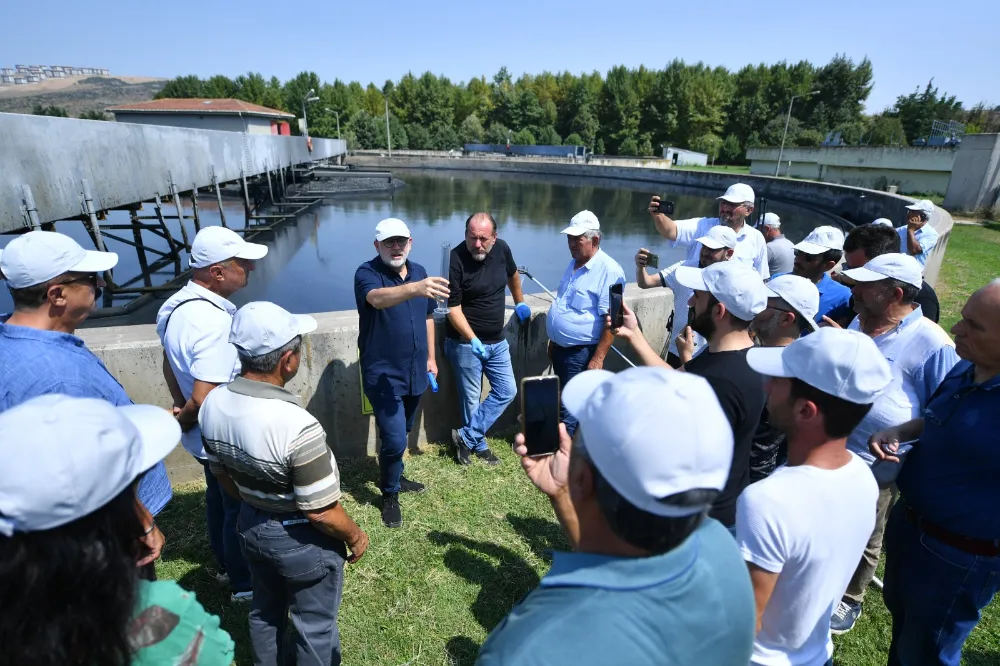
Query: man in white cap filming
[55,284]
[780,255]
[802,528]
[578,339]
[735,207]
[918,237]
[267,450]
[651,579]
[815,257]
[193,326]
[717,245]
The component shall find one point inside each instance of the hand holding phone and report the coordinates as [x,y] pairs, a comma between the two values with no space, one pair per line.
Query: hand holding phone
[665,207]
[616,298]
[540,415]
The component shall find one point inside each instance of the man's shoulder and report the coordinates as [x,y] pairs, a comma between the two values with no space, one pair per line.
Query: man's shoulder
[367,268]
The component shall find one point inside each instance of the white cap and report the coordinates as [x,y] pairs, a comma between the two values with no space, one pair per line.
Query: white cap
[884,221]
[620,419]
[74,455]
[822,239]
[718,237]
[215,244]
[733,283]
[894,265]
[925,206]
[39,256]
[391,228]
[800,294]
[581,223]
[772,220]
[738,193]
[261,327]
[843,363]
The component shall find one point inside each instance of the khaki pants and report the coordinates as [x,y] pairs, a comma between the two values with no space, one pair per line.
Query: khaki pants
[869,559]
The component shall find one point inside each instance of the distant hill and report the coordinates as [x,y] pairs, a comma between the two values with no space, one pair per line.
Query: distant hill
[79,94]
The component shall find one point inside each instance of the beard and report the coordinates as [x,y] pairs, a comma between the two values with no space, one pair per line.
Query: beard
[701,324]
[393,262]
[481,256]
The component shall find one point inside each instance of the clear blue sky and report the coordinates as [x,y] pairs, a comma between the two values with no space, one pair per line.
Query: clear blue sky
[908,41]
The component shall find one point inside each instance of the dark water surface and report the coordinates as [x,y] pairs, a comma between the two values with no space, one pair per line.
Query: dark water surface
[311,263]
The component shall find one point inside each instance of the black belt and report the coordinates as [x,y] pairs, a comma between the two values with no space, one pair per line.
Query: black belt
[979,547]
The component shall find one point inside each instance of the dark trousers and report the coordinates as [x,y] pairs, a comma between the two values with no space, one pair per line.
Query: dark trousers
[298,574]
[394,417]
[222,511]
[934,592]
[567,363]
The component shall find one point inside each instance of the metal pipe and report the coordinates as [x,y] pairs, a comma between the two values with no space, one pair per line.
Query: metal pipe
[787,119]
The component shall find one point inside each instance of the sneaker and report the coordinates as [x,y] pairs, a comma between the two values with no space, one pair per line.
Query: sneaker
[487,457]
[392,516]
[463,454]
[407,486]
[844,617]
[242,596]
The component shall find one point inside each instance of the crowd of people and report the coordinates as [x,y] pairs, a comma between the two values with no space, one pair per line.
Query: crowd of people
[727,502]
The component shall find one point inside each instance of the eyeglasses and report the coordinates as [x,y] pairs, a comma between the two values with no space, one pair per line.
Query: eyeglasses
[94,279]
[396,241]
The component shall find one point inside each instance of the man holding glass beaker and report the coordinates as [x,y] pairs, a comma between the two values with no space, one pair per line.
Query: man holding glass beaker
[396,302]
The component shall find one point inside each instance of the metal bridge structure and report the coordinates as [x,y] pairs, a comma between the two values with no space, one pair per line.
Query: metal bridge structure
[54,170]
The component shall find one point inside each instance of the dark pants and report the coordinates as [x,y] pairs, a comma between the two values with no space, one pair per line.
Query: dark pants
[673,360]
[934,593]
[221,513]
[298,574]
[394,418]
[567,363]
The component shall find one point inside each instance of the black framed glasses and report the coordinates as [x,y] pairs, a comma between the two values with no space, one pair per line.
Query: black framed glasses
[395,241]
[93,279]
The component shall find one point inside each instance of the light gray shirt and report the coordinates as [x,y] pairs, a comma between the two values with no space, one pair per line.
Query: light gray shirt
[780,255]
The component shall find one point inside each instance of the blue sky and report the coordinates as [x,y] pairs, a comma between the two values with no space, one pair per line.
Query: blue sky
[908,41]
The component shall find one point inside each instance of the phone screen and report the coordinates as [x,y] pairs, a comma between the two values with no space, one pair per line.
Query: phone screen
[616,294]
[540,411]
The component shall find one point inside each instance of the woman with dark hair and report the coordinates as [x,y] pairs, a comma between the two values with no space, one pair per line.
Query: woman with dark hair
[69,542]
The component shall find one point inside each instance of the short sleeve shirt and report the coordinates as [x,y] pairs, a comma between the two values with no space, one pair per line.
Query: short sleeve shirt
[927,238]
[751,248]
[682,294]
[780,256]
[480,288]
[832,295]
[576,317]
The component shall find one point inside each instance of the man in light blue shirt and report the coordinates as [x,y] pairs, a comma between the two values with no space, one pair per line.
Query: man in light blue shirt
[578,339]
[918,237]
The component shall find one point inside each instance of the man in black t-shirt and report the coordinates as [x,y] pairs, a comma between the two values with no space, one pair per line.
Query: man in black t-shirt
[481,269]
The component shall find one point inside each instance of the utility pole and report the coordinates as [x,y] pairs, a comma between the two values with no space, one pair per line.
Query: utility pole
[787,119]
[388,134]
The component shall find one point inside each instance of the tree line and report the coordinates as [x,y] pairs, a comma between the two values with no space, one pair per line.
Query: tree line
[624,112]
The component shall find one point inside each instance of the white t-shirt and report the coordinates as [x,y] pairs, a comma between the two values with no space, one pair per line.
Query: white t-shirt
[197,345]
[681,308]
[810,526]
[751,248]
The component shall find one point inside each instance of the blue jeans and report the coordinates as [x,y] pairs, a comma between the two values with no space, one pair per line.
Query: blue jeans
[478,417]
[394,417]
[934,592]
[298,573]
[567,363]
[221,513]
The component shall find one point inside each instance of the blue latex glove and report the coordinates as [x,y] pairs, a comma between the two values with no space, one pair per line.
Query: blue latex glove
[523,312]
[478,349]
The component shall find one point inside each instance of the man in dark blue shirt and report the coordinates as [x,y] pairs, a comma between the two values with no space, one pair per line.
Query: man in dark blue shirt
[395,300]
[942,543]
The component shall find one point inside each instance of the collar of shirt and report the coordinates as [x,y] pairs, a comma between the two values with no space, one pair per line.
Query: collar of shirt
[37,334]
[387,270]
[196,289]
[255,389]
[909,320]
[965,371]
[609,572]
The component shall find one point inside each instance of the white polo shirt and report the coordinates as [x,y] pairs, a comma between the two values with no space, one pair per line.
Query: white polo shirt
[197,345]
[682,295]
[751,248]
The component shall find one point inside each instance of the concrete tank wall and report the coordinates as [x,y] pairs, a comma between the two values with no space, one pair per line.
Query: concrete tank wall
[329,379]
[975,180]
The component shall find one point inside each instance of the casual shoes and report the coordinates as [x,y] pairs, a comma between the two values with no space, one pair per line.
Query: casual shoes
[407,486]
[242,596]
[844,617]
[392,516]
[463,453]
[487,457]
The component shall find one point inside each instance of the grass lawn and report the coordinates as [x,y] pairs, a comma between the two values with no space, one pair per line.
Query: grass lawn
[972,260]
[725,168]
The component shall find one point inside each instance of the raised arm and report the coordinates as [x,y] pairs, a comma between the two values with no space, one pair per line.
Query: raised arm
[664,225]
[644,279]
[630,332]
[386,297]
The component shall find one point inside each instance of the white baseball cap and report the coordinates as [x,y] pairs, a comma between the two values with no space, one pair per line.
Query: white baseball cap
[843,363]
[924,206]
[772,220]
[822,239]
[581,223]
[73,456]
[884,221]
[800,294]
[215,244]
[718,237]
[894,265]
[39,256]
[391,227]
[738,193]
[733,283]
[261,327]
[620,417]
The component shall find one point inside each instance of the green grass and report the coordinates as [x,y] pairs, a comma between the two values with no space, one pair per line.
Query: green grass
[725,168]
[971,260]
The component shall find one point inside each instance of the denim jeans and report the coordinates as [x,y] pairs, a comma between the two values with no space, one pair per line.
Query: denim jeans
[469,370]
[567,363]
[298,574]
[934,593]
[394,418]
[221,513]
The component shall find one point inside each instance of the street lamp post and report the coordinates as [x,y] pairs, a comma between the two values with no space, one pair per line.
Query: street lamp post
[785,133]
[309,98]
[329,110]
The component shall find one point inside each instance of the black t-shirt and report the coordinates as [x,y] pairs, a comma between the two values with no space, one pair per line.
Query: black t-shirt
[740,390]
[478,286]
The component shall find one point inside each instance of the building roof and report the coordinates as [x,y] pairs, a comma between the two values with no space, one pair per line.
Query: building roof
[200,106]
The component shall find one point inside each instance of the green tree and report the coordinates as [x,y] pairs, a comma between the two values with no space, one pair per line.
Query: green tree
[94,115]
[295,90]
[629,147]
[885,130]
[732,152]
[497,133]
[573,140]
[183,87]
[523,137]
[710,144]
[364,128]
[221,87]
[547,136]
[809,138]
[420,137]
[444,137]
[471,130]
[918,110]
[54,111]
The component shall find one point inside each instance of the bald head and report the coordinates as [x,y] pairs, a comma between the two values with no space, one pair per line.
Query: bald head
[977,333]
[480,235]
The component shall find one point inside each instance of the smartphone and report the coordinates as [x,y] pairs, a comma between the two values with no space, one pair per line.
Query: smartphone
[616,295]
[886,471]
[666,207]
[652,260]
[540,414]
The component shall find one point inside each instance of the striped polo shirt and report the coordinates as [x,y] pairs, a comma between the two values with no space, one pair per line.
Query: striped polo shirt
[273,449]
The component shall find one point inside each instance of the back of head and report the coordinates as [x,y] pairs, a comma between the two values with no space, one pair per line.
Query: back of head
[872,239]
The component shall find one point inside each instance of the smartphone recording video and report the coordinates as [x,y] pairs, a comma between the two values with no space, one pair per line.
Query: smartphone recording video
[616,296]
[666,207]
[540,414]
